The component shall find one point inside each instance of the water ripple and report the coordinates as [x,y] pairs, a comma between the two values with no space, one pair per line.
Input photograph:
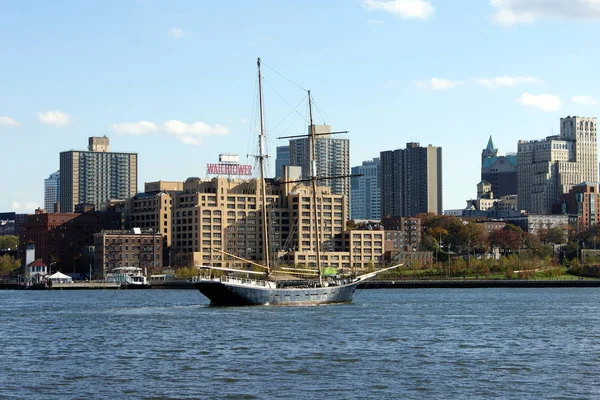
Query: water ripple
[460,344]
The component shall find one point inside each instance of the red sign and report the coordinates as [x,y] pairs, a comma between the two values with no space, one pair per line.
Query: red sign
[228,169]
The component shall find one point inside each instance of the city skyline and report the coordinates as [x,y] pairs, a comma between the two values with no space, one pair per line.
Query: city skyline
[146,74]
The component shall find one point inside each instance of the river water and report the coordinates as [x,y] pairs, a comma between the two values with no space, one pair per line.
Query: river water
[387,344]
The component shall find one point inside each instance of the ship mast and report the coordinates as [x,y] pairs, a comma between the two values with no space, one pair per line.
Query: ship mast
[313,181]
[263,190]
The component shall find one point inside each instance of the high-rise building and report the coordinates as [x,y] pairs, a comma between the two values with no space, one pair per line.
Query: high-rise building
[411,181]
[500,171]
[332,160]
[552,166]
[365,193]
[282,159]
[51,191]
[96,176]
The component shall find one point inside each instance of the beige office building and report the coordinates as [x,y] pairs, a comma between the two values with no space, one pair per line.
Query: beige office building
[215,219]
[151,210]
[168,186]
[552,166]
[221,214]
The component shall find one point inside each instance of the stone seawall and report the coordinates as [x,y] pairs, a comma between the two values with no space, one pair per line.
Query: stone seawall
[479,283]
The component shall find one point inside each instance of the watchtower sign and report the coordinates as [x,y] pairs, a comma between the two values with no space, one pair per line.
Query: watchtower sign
[228,169]
[229,164]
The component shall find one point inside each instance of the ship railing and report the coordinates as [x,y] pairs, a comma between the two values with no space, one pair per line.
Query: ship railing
[235,280]
[246,281]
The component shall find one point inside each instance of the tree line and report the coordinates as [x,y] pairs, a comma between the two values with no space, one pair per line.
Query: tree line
[464,247]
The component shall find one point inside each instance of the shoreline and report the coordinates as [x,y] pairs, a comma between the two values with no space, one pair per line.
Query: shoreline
[387,284]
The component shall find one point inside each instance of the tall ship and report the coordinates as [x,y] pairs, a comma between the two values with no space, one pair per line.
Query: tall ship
[270,286]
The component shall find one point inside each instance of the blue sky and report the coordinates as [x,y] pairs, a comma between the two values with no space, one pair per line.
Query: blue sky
[175,81]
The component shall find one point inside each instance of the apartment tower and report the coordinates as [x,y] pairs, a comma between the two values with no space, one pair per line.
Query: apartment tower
[411,181]
[96,176]
[332,160]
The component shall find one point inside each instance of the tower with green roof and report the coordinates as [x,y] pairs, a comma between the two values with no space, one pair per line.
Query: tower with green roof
[500,171]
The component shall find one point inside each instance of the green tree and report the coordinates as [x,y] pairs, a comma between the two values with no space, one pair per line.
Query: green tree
[428,243]
[555,235]
[525,274]
[458,267]
[186,272]
[9,242]
[8,264]
[481,268]
[180,259]
[508,239]
[477,237]
[570,250]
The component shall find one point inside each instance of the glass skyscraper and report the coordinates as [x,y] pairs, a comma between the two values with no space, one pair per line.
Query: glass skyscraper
[51,192]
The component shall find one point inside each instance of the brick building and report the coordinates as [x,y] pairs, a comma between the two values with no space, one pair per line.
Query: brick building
[582,202]
[127,248]
[64,238]
[402,233]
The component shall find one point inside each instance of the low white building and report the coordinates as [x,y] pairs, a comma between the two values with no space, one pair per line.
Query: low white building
[35,270]
[59,277]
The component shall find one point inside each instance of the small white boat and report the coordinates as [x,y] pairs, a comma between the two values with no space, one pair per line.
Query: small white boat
[129,277]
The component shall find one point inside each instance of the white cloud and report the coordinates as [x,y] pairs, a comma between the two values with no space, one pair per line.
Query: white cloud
[54,118]
[243,121]
[176,33]
[507,81]
[544,102]
[19,206]
[512,12]
[195,128]
[189,140]
[438,84]
[8,121]
[187,133]
[585,100]
[135,128]
[405,9]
